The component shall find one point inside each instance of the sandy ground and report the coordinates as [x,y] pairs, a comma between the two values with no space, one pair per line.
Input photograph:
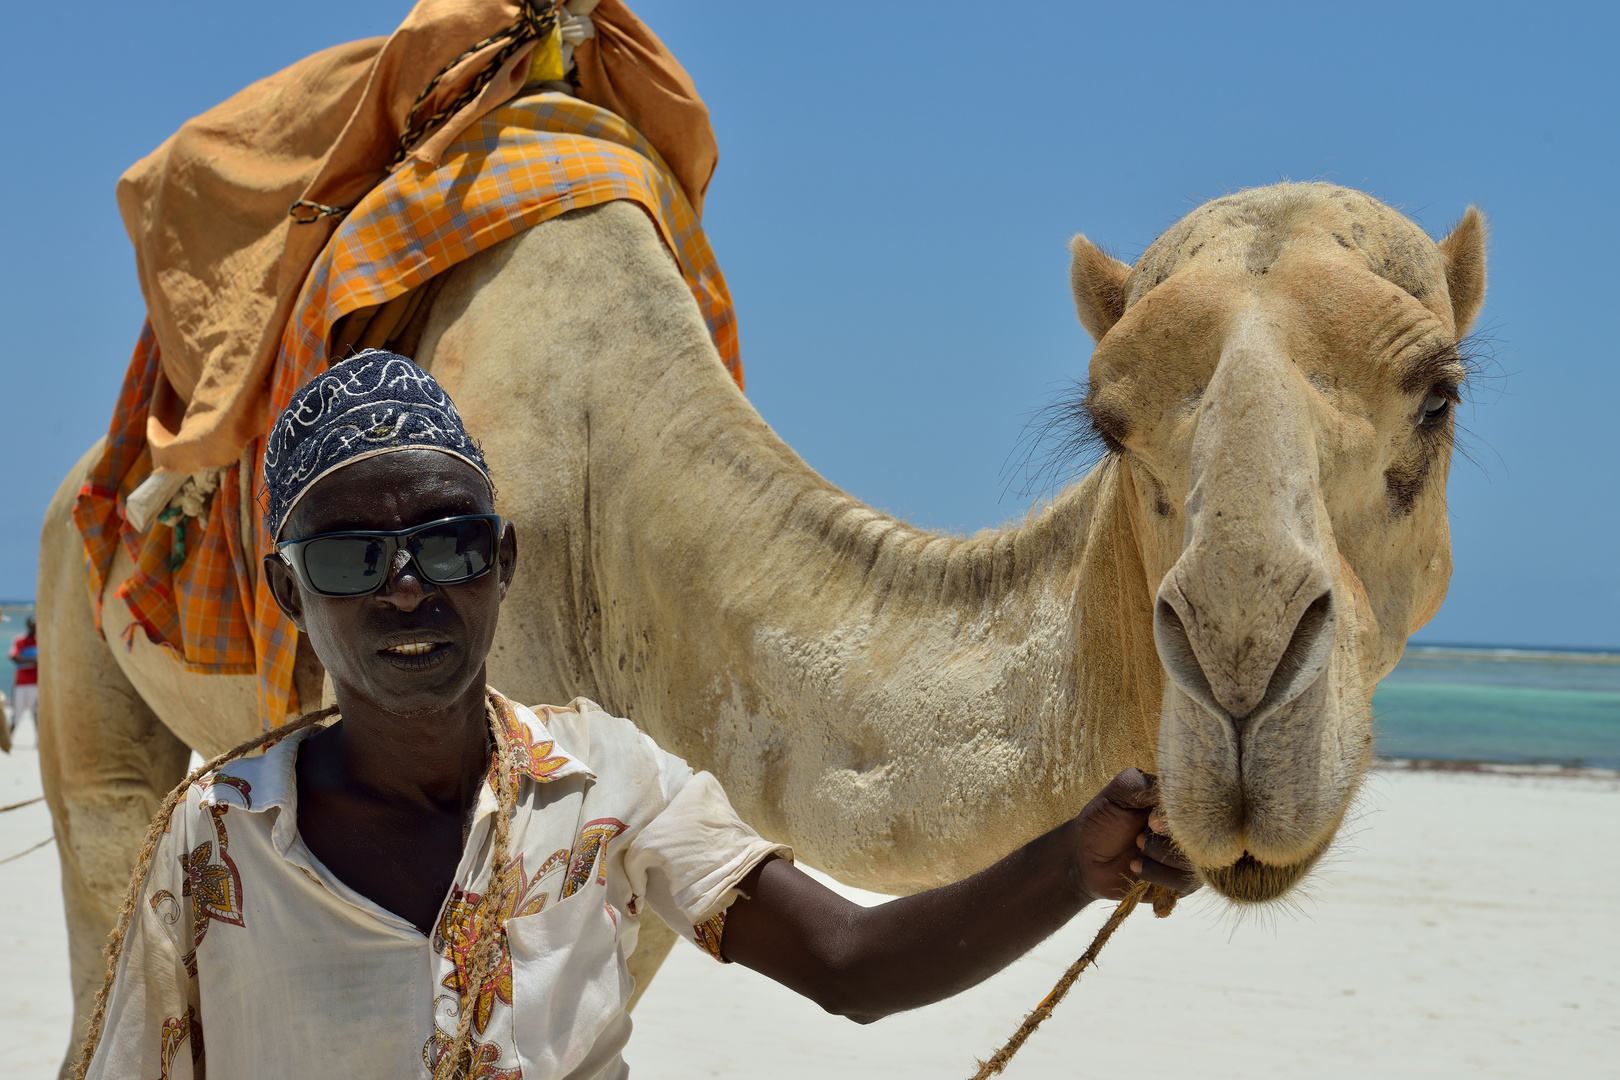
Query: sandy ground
[1468,926]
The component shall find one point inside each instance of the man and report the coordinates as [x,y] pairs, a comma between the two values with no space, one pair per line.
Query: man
[25,691]
[446,883]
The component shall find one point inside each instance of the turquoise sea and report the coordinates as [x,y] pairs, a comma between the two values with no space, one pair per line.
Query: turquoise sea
[13,614]
[13,620]
[1521,706]
[1515,706]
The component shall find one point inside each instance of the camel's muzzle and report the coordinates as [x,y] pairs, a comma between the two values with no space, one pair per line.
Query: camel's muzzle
[1262,737]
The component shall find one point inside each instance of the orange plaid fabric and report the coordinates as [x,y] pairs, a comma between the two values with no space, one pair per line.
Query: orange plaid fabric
[522,164]
[189,581]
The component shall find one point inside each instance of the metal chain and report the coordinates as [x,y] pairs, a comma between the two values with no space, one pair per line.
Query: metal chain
[535,20]
[313,211]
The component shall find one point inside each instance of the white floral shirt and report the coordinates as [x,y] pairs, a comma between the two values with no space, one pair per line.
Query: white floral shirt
[247,958]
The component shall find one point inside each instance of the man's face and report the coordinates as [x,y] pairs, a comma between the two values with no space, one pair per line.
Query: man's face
[373,646]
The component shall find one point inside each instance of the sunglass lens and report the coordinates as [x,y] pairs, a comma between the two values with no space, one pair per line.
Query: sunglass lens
[346,565]
[455,551]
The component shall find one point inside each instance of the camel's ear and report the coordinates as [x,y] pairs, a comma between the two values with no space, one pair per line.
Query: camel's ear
[1098,281]
[1464,253]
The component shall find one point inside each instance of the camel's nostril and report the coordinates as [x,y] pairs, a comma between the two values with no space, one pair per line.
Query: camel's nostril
[1176,654]
[1240,694]
[1305,656]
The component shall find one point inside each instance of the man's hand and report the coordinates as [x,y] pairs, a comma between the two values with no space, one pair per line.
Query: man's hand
[1123,838]
[865,963]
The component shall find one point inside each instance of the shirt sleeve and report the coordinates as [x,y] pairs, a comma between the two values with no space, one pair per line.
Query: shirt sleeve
[153,1024]
[687,860]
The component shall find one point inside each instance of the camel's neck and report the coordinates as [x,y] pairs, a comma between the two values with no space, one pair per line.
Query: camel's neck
[902,707]
[863,688]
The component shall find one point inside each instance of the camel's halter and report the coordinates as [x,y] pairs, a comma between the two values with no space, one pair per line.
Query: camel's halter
[1163,901]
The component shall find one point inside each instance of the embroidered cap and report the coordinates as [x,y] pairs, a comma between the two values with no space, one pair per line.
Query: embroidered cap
[368,404]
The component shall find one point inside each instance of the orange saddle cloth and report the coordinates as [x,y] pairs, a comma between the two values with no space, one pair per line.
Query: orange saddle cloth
[540,154]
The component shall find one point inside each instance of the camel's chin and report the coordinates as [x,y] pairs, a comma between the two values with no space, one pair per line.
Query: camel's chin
[1250,881]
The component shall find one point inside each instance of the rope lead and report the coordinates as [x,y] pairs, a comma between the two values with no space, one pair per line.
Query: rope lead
[1163,900]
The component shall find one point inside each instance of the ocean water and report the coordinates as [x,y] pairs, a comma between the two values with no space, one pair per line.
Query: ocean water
[13,621]
[1516,706]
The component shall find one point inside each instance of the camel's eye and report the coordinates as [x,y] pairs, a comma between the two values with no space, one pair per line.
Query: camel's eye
[1434,408]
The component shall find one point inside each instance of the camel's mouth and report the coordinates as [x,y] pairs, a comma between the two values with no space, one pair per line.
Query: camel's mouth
[1250,881]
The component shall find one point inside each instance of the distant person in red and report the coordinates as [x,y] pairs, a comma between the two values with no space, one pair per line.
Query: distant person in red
[25,695]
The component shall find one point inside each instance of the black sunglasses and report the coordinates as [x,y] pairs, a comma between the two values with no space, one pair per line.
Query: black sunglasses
[358,561]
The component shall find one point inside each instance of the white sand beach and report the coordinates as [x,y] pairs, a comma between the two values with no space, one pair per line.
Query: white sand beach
[1467,926]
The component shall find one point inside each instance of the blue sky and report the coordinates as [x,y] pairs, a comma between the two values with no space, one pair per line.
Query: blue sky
[896,186]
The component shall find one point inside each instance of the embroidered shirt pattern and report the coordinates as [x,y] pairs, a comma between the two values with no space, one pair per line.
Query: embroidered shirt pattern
[177,1030]
[632,833]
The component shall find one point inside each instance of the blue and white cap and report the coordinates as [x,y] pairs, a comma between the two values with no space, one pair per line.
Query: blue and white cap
[372,403]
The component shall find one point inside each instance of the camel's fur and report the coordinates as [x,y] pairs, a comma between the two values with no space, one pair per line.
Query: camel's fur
[901,706]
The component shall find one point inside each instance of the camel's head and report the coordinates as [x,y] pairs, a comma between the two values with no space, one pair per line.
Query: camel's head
[1279,372]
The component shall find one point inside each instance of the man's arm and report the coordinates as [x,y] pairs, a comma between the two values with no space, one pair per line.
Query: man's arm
[865,963]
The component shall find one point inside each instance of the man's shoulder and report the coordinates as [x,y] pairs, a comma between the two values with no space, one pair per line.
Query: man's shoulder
[611,747]
[582,722]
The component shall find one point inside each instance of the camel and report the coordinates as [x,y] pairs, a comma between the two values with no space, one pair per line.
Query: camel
[1273,383]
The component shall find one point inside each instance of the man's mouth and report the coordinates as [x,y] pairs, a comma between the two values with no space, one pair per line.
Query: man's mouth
[413,648]
[415,655]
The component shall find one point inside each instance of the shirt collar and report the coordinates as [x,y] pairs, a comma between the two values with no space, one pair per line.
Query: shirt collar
[261,783]
[270,781]
[534,750]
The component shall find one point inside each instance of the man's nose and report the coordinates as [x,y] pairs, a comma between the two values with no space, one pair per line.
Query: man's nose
[405,588]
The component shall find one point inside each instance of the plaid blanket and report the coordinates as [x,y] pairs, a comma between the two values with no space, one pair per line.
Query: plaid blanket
[190,578]
[522,164]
